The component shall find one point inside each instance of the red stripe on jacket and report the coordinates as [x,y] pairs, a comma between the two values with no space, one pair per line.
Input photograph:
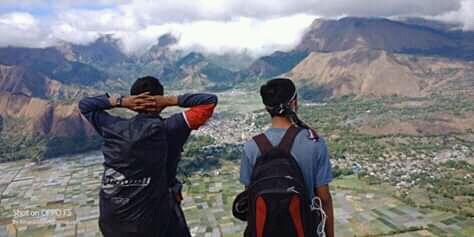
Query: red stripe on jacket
[198,115]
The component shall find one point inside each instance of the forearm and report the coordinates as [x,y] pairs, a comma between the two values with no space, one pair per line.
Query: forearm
[328,209]
[324,194]
[191,100]
[93,104]
[170,101]
[93,109]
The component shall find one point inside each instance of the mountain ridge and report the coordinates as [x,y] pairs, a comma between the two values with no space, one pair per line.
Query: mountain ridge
[389,35]
[368,72]
[350,56]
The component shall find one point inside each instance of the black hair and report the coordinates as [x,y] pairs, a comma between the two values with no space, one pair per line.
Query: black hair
[277,91]
[277,95]
[147,84]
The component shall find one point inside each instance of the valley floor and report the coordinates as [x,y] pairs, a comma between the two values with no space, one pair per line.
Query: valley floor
[59,198]
[411,182]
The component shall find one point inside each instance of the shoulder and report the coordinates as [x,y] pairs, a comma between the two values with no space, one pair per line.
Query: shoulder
[175,121]
[307,138]
[251,148]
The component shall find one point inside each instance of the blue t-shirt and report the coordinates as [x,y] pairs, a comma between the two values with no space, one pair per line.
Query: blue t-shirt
[312,157]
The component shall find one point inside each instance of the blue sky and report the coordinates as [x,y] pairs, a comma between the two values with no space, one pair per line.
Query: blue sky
[39,11]
[214,25]
[49,8]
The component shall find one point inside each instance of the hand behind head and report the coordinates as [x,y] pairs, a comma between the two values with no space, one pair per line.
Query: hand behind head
[141,103]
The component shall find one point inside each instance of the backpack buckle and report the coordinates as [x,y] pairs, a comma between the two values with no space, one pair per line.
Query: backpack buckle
[292,189]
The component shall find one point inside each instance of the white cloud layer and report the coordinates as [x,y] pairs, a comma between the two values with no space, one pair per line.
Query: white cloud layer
[258,36]
[464,15]
[20,29]
[213,25]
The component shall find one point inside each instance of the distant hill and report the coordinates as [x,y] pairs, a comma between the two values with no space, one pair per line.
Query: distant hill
[43,117]
[104,51]
[197,68]
[234,61]
[368,72]
[19,80]
[410,37]
[273,65]
[433,24]
[53,64]
[29,111]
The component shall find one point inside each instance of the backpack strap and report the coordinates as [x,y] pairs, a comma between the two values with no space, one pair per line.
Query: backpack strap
[263,144]
[289,138]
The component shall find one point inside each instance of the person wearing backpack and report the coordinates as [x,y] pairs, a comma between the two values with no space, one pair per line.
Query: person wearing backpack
[140,194]
[286,172]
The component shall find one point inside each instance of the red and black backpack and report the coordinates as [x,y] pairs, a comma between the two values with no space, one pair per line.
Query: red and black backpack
[278,204]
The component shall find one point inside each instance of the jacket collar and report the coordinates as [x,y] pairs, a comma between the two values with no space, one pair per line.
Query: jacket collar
[148,115]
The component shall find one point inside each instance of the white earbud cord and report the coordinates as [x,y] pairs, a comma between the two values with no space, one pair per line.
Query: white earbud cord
[316,205]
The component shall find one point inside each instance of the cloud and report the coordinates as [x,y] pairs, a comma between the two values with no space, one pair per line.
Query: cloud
[21,29]
[99,20]
[213,25]
[463,15]
[184,10]
[258,36]
[386,8]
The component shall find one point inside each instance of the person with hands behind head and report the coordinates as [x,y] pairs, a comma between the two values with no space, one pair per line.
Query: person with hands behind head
[140,194]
